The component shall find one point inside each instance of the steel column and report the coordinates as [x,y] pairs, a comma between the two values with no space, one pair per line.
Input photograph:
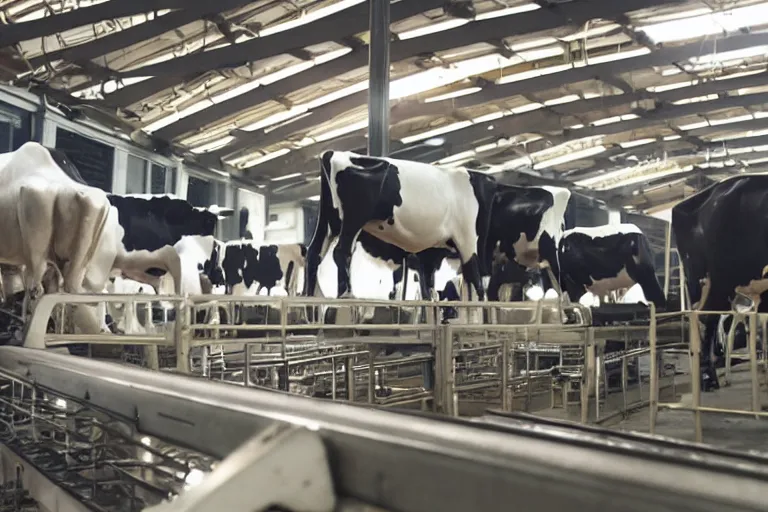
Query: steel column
[378,74]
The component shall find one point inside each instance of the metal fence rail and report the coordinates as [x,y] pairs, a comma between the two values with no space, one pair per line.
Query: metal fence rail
[399,461]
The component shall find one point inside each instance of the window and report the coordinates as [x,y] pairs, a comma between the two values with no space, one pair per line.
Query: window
[15,128]
[136,175]
[145,177]
[92,158]
[199,192]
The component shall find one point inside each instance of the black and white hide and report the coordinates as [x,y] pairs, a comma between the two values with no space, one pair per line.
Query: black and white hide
[410,205]
[603,259]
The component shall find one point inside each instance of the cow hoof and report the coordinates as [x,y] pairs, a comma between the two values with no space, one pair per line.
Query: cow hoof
[346,295]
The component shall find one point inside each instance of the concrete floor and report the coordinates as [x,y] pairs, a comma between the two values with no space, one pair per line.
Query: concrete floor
[728,431]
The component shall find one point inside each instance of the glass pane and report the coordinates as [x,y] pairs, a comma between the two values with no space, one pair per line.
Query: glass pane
[158,180]
[171,173]
[199,192]
[136,175]
[93,159]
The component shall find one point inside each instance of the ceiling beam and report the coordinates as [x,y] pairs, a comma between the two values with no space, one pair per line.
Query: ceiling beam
[411,109]
[525,23]
[193,10]
[469,137]
[352,20]
[15,32]
[662,56]
[477,131]
[355,19]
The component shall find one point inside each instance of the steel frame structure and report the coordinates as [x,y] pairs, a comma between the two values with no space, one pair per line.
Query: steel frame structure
[394,461]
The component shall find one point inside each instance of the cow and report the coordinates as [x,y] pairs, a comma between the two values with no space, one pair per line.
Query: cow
[48,218]
[240,265]
[606,258]
[526,225]
[719,234]
[410,205]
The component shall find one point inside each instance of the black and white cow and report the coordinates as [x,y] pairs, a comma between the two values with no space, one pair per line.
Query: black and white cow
[526,225]
[50,219]
[410,205]
[606,258]
[720,237]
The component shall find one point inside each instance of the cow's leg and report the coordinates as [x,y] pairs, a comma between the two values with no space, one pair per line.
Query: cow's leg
[709,379]
[35,211]
[342,256]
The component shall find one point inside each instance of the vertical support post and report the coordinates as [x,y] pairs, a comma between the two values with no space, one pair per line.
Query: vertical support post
[505,405]
[695,351]
[753,362]
[350,378]
[378,74]
[588,373]
[182,334]
[653,405]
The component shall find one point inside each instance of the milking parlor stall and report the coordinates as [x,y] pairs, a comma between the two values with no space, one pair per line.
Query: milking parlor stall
[350,255]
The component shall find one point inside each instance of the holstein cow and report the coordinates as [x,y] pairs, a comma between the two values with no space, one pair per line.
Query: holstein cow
[410,205]
[50,218]
[719,234]
[606,258]
[526,225]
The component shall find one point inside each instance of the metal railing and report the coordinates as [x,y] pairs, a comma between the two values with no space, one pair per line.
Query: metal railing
[454,365]
[694,346]
[487,465]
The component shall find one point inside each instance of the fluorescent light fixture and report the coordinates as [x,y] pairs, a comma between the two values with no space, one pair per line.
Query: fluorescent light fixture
[670,87]
[434,142]
[286,177]
[338,132]
[576,127]
[712,23]
[606,120]
[260,159]
[210,146]
[672,137]
[507,11]
[454,94]
[463,156]
[671,71]
[611,57]
[729,120]
[569,157]
[314,198]
[528,107]
[275,118]
[693,126]
[562,99]
[488,117]
[310,17]
[756,161]
[533,73]
[432,28]
[441,76]
[435,132]
[337,95]
[246,87]
[635,143]
[696,99]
